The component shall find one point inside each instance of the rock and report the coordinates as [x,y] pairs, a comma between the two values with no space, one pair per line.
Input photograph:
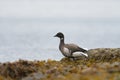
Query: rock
[34,76]
[89,71]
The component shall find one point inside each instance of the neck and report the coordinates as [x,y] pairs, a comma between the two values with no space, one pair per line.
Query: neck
[61,41]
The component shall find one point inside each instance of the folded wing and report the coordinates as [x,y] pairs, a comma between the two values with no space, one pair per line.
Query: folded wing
[75,48]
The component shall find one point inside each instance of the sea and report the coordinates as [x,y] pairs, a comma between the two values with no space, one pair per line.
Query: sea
[32,38]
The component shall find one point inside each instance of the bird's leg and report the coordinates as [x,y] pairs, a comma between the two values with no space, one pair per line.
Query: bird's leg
[71,54]
[74,59]
[71,58]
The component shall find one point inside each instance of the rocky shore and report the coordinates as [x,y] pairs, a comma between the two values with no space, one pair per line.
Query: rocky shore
[102,64]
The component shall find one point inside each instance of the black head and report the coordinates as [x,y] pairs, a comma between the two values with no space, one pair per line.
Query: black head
[59,34]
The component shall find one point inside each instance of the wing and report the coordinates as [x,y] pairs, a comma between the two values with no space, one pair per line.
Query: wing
[74,48]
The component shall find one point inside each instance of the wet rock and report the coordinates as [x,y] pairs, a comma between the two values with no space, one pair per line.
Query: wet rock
[34,76]
[89,71]
[101,62]
[17,70]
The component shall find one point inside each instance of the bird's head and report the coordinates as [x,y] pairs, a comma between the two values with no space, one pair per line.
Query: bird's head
[59,35]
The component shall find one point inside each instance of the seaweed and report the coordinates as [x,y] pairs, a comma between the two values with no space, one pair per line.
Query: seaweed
[102,64]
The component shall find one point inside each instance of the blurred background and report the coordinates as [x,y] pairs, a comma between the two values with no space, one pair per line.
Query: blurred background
[27,27]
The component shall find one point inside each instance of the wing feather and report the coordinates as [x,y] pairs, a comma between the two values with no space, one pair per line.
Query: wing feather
[74,48]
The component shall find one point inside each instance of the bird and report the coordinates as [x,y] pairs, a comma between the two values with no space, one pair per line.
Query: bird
[70,50]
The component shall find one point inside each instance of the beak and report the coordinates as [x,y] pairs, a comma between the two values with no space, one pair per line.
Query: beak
[55,36]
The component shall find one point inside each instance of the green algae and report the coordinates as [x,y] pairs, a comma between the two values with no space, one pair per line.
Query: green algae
[102,64]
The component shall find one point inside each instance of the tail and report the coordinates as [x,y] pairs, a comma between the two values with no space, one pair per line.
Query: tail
[85,54]
[83,50]
[78,54]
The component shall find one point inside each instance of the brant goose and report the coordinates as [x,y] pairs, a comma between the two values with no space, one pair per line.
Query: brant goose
[70,50]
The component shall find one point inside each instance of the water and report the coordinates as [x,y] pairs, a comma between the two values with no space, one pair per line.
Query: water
[32,39]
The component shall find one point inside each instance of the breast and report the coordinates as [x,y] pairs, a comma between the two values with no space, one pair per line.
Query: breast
[65,51]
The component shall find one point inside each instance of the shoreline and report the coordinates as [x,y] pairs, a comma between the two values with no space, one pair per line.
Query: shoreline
[101,62]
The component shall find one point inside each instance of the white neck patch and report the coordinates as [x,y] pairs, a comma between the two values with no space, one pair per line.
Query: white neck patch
[61,38]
